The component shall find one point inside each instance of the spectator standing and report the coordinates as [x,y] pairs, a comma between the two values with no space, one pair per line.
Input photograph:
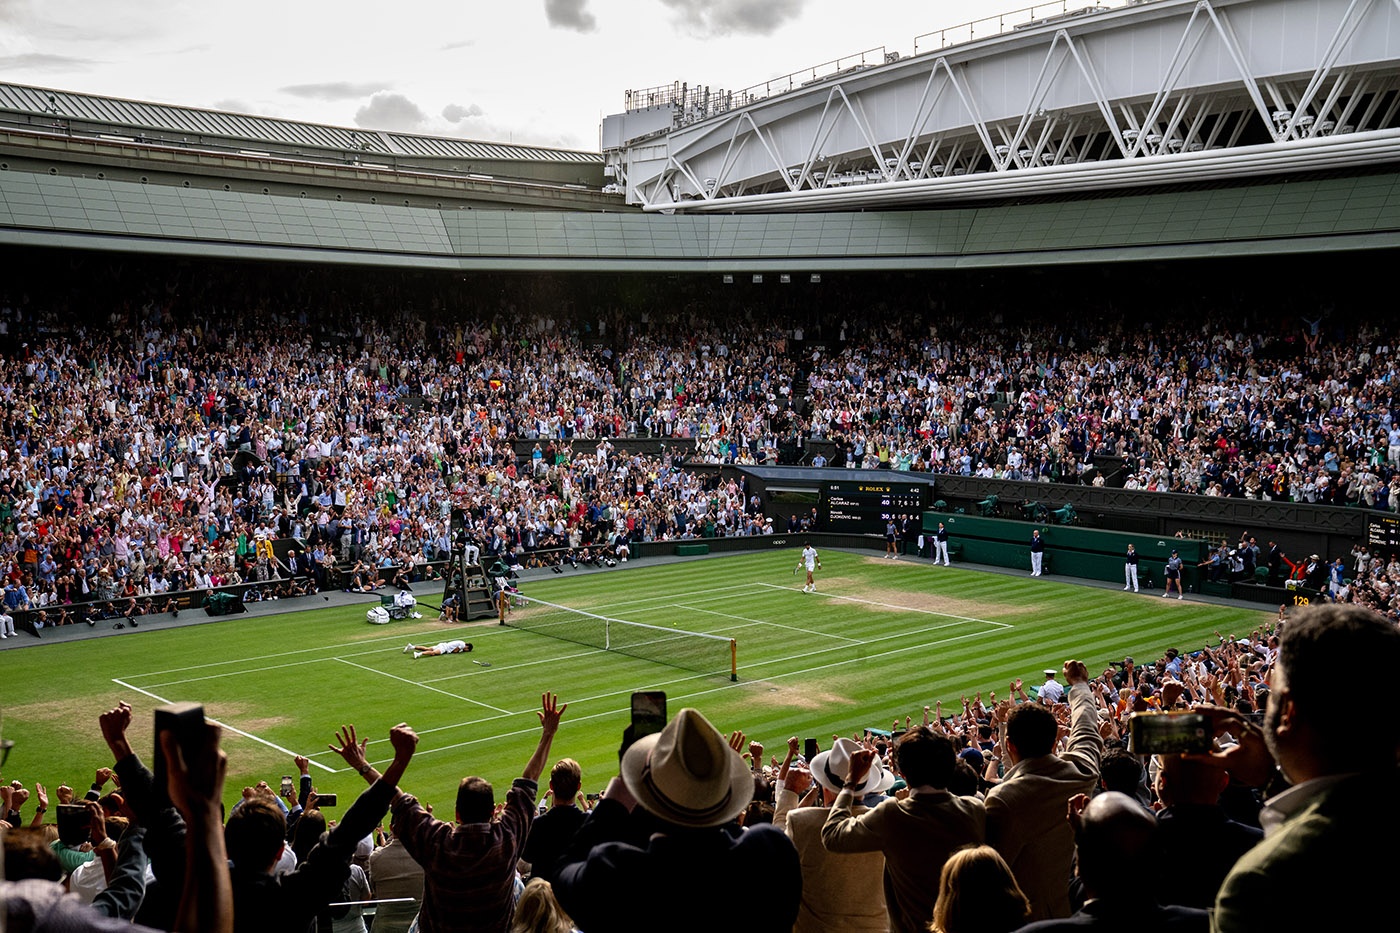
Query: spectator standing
[1194,834]
[916,834]
[553,830]
[678,796]
[841,891]
[1327,859]
[1114,848]
[978,894]
[1025,811]
[394,875]
[469,866]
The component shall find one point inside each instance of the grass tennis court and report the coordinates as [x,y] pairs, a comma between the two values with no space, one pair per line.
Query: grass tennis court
[879,640]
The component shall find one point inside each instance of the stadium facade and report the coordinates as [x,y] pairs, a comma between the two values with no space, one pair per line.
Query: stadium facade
[1153,130]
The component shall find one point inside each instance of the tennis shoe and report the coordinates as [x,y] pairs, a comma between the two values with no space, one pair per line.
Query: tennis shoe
[407,648]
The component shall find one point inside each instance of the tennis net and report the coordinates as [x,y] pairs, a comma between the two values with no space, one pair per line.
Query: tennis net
[691,651]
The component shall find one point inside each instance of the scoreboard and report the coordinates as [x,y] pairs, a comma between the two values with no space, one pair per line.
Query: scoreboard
[859,507]
[1383,533]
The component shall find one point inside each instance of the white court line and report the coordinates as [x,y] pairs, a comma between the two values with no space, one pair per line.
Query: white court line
[260,670]
[247,735]
[405,680]
[871,602]
[263,657]
[791,628]
[511,667]
[669,598]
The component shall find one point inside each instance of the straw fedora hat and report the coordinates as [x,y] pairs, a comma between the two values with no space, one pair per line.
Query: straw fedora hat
[829,769]
[687,774]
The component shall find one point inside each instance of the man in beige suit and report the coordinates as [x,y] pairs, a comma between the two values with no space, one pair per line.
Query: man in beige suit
[1026,811]
[840,891]
[916,834]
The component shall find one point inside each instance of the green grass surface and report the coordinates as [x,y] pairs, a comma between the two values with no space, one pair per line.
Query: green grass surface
[880,640]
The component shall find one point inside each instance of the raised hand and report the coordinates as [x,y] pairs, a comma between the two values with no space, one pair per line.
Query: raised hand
[736,742]
[97,823]
[351,748]
[303,764]
[861,762]
[1076,672]
[404,740]
[114,724]
[550,712]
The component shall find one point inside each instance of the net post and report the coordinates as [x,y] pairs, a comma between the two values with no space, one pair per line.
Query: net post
[607,635]
[734,660]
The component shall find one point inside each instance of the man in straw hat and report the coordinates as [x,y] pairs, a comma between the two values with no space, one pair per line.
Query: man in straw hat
[697,870]
[916,834]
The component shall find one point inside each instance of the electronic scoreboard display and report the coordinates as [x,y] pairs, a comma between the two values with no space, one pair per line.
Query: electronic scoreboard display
[858,507]
[1383,533]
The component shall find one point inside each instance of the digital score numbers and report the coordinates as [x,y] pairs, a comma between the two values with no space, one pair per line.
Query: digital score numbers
[1383,533]
[864,508]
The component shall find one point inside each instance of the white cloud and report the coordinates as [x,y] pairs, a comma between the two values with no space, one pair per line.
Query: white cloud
[389,111]
[723,17]
[333,90]
[570,14]
[456,113]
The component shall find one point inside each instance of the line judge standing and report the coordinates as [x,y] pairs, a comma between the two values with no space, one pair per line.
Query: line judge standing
[940,545]
[1130,568]
[1037,553]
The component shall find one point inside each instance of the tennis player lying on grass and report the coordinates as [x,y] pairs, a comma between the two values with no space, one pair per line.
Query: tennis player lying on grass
[442,647]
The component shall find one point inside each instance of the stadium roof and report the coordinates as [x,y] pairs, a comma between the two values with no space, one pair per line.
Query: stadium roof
[35,105]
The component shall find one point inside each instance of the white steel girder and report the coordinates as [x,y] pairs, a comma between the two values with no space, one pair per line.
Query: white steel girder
[1113,99]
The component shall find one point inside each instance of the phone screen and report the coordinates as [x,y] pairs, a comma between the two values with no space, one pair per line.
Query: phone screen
[1169,733]
[286,784]
[809,749]
[648,712]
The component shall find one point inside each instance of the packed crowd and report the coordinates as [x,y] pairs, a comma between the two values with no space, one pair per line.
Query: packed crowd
[1030,812]
[158,425]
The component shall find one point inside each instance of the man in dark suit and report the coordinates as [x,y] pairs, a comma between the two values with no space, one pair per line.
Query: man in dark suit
[1327,859]
[1114,839]
[1275,564]
[553,830]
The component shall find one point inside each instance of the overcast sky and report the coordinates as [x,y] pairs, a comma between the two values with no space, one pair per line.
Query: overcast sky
[525,71]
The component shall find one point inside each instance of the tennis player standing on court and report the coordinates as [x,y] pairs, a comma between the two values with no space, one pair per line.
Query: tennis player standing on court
[812,562]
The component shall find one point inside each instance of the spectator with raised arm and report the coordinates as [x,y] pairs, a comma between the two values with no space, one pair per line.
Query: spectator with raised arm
[841,891]
[1026,810]
[256,833]
[469,866]
[916,834]
[205,904]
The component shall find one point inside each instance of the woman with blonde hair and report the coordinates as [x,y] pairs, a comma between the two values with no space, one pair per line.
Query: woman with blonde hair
[537,911]
[978,894]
